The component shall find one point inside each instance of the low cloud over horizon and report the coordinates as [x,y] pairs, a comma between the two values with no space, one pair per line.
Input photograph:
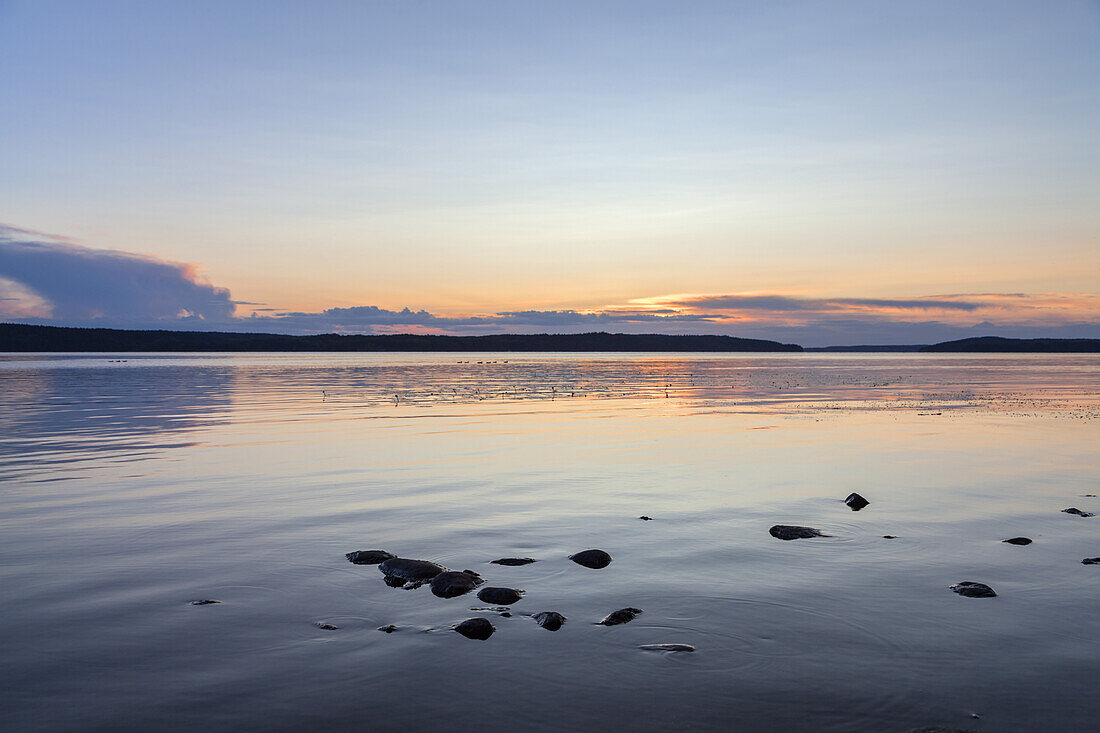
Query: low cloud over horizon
[51,280]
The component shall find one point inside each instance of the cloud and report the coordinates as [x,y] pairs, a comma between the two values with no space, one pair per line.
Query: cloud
[786,304]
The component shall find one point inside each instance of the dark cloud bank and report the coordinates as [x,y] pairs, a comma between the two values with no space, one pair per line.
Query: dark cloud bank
[51,281]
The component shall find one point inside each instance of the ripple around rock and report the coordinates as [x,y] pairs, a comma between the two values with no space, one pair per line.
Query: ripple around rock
[1091,561]
[475,628]
[622,616]
[401,567]
[667,647]
[451,583]
[1018,541]
[792,532]
[549,620]
[594,559]
[970,589]
[513,561]
[855,502]
[389,629]
[369,557]
[499,596]
[1078,512]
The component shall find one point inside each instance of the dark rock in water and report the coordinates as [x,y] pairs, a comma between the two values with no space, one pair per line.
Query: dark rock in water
[1090,496]
[889,537]
[645,518]
[1018,541]
[667,647]
[506,614]
[411,569]
[622,616]
[394,581]
[594,559]
[1078,512]
[450,584]
[1091,561]
[970,589]
[476,628]
[499,596]
[513,561]
[941,729]
[369,557]
[204,602]
[856,502]
[549,620]
[326,627]
[388,629]
[791,532]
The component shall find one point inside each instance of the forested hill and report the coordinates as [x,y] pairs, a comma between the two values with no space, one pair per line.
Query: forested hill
[994,344]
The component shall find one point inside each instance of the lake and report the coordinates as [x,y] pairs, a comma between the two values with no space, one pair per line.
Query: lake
[134,484]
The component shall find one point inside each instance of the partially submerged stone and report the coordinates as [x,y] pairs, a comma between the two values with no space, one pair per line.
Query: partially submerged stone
[855,502]
[1018,541]
[792,532]
[204,602]
[622,616]
[476,628]
[970,589]
[889,537]
[594,559]
[369,557]
[411,569]
[667,647]
[549,620]
[513,561]
[326,627]
[1091,561]
[499,596]
[389,629]
[1078,512]
[451,583]
[644,518]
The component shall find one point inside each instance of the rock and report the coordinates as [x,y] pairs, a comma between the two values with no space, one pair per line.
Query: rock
[499,596]
[1018,541]
[622,616]
[394,581]
[667,647]
[513,561]
[476,628]
[326,627]
[450,584]
[889,537]
[856,502]
[388,629]
[970,589]
[594,559]
[644,518]
[940,729]
[369,557]
[204,602]
[549,620]
[411,569]
[791,532]
[1078,512]
[1091,561]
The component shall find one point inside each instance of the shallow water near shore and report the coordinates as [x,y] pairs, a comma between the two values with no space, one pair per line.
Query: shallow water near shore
[131,485]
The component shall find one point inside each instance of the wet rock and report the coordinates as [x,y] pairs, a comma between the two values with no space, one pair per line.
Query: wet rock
[476,628]
[1091,561]
[388,629]
[512,561]
[326,627]
[549,620]
[855,502]
[791,532]
[889,537]
[499,596]
[1078,512]
[970,589]
[204,602]
[594,559]
[1089,496]
[644,518]
[394,581]
[411,569]
[369,557]
[622,616]
[1018,541]
[667,647]
[451,584]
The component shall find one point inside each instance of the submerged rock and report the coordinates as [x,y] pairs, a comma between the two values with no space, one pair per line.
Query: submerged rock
[411,569]
[644,518]
[970,589]
[594,559]
[792,532]
[889,537]
[513,561]
[326,627]
[1091,561]
[1018,541]
[549,620]
[369,557]
[1078,512]
[856,502]
[388,629]
[499,596]
[204,602]
[667,647]
[476,628]
[451,583]
[622,616]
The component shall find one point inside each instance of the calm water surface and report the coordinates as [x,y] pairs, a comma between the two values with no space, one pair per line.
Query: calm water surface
[133,484]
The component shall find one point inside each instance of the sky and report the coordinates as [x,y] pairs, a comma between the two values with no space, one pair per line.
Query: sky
[822,173]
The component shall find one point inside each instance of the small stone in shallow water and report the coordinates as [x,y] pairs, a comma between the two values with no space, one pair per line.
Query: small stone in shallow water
[644,518]
[513,561]
[594,559]
[549,620]
[388,629]
[451,583]
[369,557]
[889,537]
[326,627]
[204,602]
[499,596]
[476,628]
[667,647]
[1078,512]
[970,589]
[855,502]
[1091,561]
[622,616]
[1018,541]
[411,569]
[791,532]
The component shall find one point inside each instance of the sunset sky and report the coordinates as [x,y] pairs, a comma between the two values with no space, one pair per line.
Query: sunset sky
[824,173]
